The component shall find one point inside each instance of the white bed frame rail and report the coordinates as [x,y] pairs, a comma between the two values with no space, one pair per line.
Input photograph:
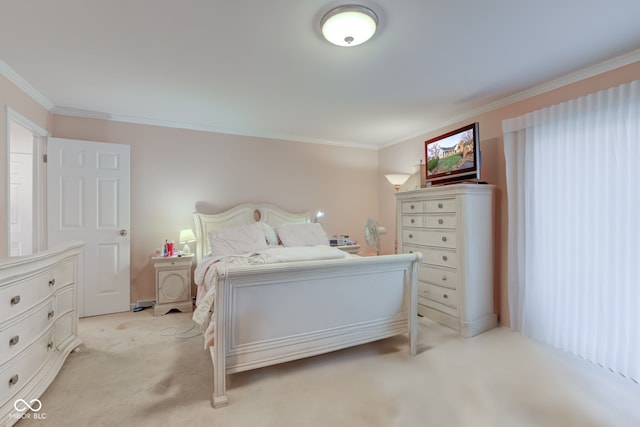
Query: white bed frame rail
[282,312]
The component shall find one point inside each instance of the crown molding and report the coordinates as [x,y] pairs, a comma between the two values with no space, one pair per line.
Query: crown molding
[24,86]
[77,112]
[585,73]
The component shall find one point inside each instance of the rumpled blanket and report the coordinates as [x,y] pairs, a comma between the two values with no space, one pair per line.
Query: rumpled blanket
[206,276]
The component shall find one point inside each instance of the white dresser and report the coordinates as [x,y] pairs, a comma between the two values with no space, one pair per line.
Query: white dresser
[452,226]
[38,326]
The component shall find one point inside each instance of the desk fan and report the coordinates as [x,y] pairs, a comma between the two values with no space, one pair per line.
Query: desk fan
[372,233]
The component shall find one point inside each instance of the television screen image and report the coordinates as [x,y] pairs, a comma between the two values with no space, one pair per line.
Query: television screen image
[453,156]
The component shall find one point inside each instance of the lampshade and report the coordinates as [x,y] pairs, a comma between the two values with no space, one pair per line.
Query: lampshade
[349,25]
[397,179]
[187,236]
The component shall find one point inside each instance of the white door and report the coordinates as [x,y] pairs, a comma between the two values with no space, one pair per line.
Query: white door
[20,204]
[88,200]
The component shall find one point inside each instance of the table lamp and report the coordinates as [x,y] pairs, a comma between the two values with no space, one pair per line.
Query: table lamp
[187,236]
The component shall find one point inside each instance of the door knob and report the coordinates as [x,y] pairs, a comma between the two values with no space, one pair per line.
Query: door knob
[123,232]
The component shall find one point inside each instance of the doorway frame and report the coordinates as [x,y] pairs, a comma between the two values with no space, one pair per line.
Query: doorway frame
[39,192]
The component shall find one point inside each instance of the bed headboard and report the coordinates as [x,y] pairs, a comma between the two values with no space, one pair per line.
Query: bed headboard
[244,214]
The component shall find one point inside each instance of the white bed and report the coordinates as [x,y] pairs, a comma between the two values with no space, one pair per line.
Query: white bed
[260,315]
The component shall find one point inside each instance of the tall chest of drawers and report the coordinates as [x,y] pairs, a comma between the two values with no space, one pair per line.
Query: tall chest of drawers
[452,226]
[38,326]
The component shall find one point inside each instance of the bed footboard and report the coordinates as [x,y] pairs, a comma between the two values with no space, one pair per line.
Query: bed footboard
[275,313]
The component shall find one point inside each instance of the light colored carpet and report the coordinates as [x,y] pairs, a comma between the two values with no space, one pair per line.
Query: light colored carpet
[135,369]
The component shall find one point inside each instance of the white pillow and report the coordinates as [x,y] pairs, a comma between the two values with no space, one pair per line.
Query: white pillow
[309,234]
[237,240]
[270,234]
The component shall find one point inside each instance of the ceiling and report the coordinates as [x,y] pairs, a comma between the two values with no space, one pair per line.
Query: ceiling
[262,68]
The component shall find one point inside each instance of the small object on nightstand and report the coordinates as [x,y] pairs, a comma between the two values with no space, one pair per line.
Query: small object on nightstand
[173,283]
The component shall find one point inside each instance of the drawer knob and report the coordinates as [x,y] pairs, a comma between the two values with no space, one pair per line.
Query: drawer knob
[14,340]
[444,257]
[444,278]
[412,207]
[440,221]
[51,313]
[50,345]
[14,380]
[52,282]
[444,238]
[410,236]
[413,220]
[15,300]
[439,205]
[446,296]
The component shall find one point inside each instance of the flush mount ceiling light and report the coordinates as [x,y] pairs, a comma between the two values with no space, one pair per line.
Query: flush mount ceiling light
[349,25]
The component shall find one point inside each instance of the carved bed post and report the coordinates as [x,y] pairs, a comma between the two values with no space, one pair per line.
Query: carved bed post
[218,350]
[413,305]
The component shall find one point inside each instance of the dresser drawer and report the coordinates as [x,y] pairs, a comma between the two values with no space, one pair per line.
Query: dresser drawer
[16,336]
[440,221]
[64,301]
[414,221]
[440,205]
[65,273]
[413,207]
[411,249]
[423,289]
[24,294]
[446,296]
[17,373]
[441,257]
[64,329]
[444,308]
[439,276]
[444,239]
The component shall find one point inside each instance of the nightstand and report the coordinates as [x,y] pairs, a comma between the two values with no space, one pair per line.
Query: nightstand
[352,249]
[173,283]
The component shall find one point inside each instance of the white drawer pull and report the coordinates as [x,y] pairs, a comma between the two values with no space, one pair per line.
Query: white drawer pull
[52,282]
[14,340]
[439,205]
[444,238]
[440,221]
[14,380]
[51,313]
[15,300]
[444,257]
[444,278]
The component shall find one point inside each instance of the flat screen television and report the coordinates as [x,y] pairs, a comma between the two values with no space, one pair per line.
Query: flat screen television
[454,156]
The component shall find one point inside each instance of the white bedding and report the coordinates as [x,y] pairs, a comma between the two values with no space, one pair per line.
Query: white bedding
[206,275]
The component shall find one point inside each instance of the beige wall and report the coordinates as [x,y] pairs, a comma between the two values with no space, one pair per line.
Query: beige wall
[400,157]
[173,169]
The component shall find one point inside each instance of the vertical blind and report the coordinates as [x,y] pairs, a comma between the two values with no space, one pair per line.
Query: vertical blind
[573,186]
